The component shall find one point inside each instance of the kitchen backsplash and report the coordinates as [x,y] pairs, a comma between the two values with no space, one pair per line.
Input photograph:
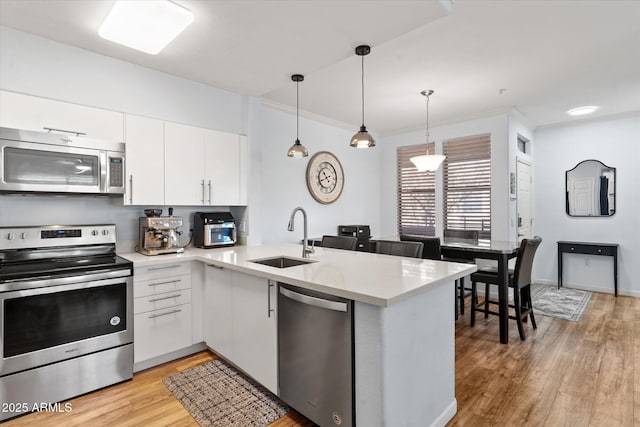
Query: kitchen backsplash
[24,210]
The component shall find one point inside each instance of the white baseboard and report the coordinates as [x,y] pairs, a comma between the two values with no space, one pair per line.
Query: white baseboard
[607,290]
[446,415]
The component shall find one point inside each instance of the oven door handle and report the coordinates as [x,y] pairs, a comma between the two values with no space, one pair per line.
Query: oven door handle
[48,281]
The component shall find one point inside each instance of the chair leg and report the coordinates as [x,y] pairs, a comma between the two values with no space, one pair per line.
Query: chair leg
[524,304]
[518,309]
[461,294]
[527,290]
[486,300]
[474,301]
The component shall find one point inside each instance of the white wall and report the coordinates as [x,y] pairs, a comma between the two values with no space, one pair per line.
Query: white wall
[283,183]
[614,142]
[498,128]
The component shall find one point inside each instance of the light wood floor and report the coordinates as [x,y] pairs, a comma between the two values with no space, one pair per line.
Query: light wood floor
[565,374]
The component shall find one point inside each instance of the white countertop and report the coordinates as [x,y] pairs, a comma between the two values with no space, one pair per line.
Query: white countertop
[370,278]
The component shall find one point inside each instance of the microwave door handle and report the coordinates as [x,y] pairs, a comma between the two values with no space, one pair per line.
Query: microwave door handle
[103,170]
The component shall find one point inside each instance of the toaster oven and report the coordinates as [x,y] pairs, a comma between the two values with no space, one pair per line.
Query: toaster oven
[213,229]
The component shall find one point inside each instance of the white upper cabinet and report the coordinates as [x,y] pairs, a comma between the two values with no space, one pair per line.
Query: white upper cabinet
[184,182]
[144,142]
[225,168]
[37,114]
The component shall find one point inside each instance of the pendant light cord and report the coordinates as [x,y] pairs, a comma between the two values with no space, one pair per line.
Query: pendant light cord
[297,109]
[362,90]
[427,104]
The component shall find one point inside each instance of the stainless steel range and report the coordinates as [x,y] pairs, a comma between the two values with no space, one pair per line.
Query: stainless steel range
[66,314]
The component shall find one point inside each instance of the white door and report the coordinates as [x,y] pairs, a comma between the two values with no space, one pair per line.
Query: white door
[217,315]
[145,161]
[581,197]
[255,335]
[183,165]
[525,200]
[222,167]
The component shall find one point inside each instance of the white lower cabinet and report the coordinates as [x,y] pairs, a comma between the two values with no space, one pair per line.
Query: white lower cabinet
[241,324]
[162,310]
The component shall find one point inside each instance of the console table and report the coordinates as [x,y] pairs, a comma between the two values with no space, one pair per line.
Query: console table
[587,248]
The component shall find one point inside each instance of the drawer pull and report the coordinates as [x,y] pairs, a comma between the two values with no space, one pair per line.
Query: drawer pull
[215,266]
[165,283]
[153,316]
[599,251]
[573,249]
[164,298]
[163,268]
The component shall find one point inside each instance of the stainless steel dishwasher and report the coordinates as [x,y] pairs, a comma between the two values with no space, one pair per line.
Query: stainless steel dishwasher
[315,362]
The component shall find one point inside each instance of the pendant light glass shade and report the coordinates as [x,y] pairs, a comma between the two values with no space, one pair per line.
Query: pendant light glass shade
[297,149]
[362,139]
[427,162]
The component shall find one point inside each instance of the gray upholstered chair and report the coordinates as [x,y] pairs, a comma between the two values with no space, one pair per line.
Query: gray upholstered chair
[393,247]
[461,236]
[519,280]
[339,242]
[430,248]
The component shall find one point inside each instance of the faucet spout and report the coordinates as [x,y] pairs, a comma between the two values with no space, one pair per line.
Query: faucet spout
[306,249]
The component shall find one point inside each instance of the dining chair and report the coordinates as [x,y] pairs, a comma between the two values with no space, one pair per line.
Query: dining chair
[430,245]
[393,247]
[339,242]
[461,236]
[519,280]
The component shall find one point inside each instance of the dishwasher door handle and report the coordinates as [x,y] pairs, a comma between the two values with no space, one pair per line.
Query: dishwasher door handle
[314,301]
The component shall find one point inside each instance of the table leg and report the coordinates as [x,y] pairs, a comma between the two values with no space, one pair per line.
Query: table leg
[615,270]
[559,267]
[503,299]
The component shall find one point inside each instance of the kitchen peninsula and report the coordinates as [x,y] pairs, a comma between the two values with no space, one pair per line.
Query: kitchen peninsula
[403,320]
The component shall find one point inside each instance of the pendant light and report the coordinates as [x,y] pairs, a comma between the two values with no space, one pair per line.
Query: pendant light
[297,149]
[362,139]
[427,162]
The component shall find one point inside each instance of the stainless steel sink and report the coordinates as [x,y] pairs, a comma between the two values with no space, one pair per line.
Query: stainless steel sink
[281,262]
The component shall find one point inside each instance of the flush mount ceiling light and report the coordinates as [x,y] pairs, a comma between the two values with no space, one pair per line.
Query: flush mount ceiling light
[297,149]
[581,111]
[147,26]
[362,139]
[427,162]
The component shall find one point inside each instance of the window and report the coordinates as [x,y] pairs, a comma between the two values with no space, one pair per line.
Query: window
[523,144]
[416,193]
[467,184]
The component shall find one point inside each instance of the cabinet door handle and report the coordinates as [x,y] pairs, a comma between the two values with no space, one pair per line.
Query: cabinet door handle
[165,283]
[153,316]
[130,189]
[65,131]
[209,191]
[202,184]
[164,298]
[269,309]
[215,266]
[164,268]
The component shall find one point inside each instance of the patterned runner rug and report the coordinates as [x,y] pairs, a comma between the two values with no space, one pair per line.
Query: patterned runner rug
[563,303]
[215,394]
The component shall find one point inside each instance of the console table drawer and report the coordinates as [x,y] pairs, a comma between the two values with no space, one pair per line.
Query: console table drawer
[588,249]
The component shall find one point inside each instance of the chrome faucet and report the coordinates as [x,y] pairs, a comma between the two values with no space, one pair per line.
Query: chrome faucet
[306,249]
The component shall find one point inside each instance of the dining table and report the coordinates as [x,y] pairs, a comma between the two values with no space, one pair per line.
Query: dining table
[498,250]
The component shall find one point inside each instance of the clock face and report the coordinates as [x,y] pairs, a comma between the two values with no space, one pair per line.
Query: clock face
[325,178]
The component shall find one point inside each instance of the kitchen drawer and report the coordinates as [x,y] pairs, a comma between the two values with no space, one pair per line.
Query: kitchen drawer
[161,301]
[160,271]
[143,288]
[161,331]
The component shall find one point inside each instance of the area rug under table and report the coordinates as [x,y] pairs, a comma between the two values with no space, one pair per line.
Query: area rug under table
[215,394]
[563,303]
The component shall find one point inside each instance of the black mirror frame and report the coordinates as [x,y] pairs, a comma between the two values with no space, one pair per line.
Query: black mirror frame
[566,190]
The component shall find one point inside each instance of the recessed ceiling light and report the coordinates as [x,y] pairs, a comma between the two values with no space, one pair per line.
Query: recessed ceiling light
[581,111]
[148,26]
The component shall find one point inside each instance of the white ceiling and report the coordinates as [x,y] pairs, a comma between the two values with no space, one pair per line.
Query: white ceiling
[549,55]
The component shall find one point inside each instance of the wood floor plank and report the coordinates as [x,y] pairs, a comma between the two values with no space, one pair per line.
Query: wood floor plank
[566,373]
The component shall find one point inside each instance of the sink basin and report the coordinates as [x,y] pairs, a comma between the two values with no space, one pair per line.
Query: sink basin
[281,262]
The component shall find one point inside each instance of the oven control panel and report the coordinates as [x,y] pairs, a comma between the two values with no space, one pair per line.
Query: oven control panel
[56,235]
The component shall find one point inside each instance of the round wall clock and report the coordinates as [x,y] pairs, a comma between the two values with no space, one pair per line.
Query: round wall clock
[325,178]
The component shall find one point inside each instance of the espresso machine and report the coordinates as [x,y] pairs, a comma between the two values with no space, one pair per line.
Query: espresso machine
[159,234]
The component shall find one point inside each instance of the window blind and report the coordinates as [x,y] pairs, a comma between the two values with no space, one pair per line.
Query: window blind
[416,193]
[467,184]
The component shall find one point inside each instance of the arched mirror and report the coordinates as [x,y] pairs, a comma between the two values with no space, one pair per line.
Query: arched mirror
[591,189]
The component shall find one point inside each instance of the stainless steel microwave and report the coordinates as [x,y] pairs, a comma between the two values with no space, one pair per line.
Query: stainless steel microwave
[213,229]
[53,163]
